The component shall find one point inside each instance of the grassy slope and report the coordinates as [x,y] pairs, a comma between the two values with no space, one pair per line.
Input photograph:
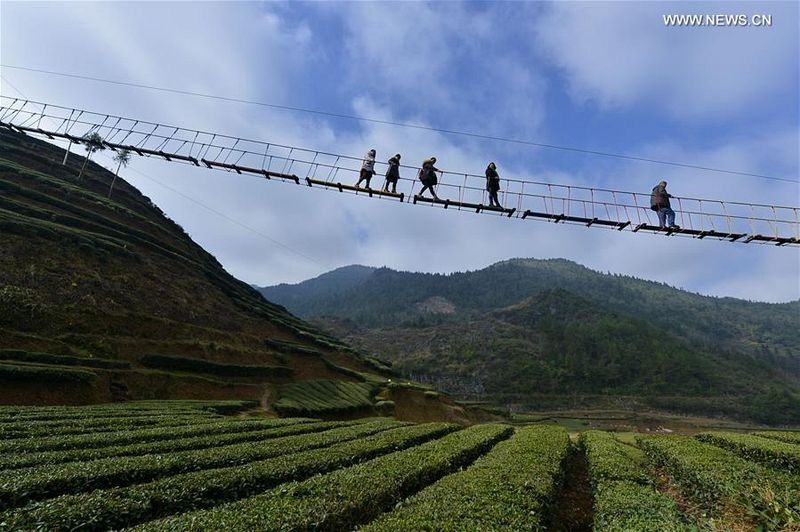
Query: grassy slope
[81,274]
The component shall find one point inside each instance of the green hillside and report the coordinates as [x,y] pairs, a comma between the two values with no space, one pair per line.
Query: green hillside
[105,298]
[538,334]
[383,297]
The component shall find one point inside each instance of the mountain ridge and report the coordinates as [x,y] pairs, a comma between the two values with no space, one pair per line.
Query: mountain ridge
[728,353]
[506,282]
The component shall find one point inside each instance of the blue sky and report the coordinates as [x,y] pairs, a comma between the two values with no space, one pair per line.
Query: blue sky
[595,75]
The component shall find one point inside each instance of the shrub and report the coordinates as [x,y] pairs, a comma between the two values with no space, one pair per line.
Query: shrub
[358,375]
[610,459]
[13,428]
[344,498]
[62,360]
[13,372]
[195,365]
[20,306]
[269,429]
[709,475]
[291,347]
[624,497]
[788,437]
[90,441]
[510,488]
[20,486]
[777,454]
[121,507]
[318,397]
[624,506]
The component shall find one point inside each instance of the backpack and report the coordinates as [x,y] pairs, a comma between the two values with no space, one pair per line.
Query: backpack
[427,175]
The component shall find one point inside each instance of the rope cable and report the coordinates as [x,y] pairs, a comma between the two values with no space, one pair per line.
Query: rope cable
[230,151]
[39,123]
[401,124]
[215,135]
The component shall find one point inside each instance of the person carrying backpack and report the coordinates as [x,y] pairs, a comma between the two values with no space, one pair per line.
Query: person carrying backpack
[367,168]
[427,174]
[659,202]
[392,174]
[493,185]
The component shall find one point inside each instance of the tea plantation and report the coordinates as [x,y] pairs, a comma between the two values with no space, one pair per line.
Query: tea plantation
[191,465]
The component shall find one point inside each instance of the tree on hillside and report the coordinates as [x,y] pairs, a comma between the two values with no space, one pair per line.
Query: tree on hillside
[122,158]
[93,142]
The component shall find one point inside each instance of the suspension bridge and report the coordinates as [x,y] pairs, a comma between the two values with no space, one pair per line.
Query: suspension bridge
[522,199]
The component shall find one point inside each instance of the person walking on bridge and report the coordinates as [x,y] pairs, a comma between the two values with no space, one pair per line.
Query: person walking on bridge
[493,185]
[427,174]
[367,168]
[392,174]
[659,202]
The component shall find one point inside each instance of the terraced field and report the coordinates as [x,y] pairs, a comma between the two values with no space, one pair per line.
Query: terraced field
[190,465]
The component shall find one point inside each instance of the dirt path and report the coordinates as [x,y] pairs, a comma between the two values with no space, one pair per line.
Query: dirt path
[574,510]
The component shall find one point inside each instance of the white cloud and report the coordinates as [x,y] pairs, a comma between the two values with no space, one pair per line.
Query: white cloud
[253,52]
[447,59]
[622,55]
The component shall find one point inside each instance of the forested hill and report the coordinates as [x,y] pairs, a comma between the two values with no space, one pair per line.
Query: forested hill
[380,297]
[552,332]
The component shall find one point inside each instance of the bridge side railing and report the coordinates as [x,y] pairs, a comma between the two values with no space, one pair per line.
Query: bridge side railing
[555,202]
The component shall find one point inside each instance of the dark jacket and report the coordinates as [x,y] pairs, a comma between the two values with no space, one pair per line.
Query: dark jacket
[492,179]
[659,199]
[393,172]
[427,173]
